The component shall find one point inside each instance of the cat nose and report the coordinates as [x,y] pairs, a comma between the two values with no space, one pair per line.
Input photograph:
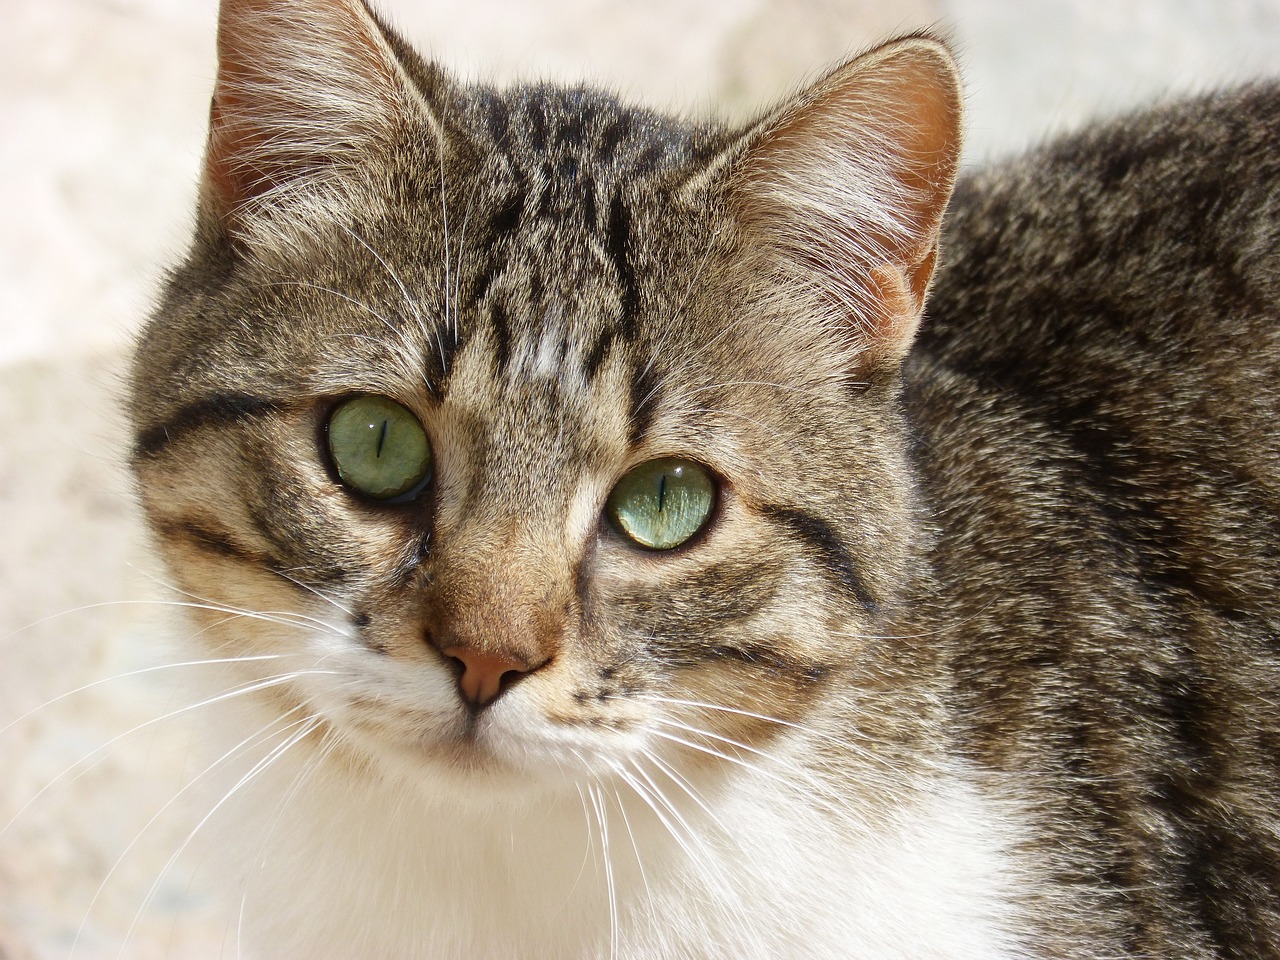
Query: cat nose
[486,675]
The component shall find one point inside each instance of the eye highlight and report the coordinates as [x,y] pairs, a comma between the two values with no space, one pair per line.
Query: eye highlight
[378,447]
[662,503]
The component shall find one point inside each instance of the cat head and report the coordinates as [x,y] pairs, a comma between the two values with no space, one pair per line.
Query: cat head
[512,435]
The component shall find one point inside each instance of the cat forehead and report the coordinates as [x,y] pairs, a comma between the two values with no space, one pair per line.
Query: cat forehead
[564,131]
[548,245]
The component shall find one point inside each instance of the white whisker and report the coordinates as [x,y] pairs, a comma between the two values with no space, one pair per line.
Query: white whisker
[705,860]
[312,590]
[136,673]
[261,735]
[602,818]
[626,822]
[444,213]
[278,751]
[219,698]
[409,300]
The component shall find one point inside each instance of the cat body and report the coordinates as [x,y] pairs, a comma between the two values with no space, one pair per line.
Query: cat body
[1103,341]
[699,607]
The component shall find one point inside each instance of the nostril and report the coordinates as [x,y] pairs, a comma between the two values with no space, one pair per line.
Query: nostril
[484,676]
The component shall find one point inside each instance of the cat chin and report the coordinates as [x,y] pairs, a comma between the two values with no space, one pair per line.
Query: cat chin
[480,769]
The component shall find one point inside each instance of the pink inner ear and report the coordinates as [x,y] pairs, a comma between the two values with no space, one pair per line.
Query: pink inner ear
[232,182]
[304,87]
[849,187]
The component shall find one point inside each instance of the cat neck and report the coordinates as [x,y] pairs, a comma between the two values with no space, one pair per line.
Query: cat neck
[639,868]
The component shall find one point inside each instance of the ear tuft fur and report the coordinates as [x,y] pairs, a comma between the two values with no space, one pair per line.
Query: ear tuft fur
[305,93]
[844,190]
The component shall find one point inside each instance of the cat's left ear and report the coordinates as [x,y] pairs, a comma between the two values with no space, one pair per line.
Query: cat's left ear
[843,190]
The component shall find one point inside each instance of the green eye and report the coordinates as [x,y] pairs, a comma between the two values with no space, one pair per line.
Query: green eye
[379,447]
[662,503]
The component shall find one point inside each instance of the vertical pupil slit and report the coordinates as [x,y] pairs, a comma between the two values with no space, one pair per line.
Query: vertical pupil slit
[662,491]
[382,438]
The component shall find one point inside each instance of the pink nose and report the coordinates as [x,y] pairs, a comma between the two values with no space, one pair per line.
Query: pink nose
[484,675]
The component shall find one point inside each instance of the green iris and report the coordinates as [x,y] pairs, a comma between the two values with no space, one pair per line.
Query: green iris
[379,447]
[662,503]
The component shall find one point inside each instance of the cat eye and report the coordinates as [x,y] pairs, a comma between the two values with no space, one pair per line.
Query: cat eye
[378,447]
[663,503]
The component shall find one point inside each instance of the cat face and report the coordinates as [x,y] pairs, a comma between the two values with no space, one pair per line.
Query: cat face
[510,439]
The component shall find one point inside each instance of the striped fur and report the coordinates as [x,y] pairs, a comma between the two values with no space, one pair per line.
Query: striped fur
[886,704]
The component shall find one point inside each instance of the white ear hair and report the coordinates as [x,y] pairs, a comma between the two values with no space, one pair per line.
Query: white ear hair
[844,189]
[306,91]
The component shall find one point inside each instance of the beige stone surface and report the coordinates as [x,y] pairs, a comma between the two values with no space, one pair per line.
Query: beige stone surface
[102,105]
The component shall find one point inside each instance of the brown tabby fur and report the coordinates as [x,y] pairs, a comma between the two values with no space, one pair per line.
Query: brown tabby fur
[1095,400]
[1044,546]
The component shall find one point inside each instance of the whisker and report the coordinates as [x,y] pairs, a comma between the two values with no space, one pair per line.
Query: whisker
[282,617]
[261,735]
[228,695]
[444,213]
[817,790]
[316,592]
[845,743]
[602,818]
[329,742]
[704,859]
[319,288]
[647,798]
[702,704]
[626,822]
[657,801]
[136,673]
[414,310]
[278,751]
[735,415]
[688,788]
[589,853]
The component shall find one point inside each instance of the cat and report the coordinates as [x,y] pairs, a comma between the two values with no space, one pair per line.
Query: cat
[614,536]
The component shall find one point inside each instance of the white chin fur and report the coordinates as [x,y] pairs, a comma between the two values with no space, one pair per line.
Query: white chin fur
[325,859]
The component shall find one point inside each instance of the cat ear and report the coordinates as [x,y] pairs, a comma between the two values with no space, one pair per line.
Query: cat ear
[307,91]
[843,191]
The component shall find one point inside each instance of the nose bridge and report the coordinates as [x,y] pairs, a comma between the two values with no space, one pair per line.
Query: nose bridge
[501,591]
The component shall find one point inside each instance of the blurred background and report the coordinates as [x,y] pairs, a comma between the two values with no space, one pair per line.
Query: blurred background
[102,110]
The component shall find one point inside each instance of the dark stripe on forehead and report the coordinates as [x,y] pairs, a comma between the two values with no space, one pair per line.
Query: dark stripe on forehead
[449,342]
[618,129]
[221,409]
[597,355]
[508,214]
[590,213]
[497,116]
[646,394]
[537,121]
[501,323]
[618,243]
[831,554]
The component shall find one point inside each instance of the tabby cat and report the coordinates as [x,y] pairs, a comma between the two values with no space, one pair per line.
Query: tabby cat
[600,557]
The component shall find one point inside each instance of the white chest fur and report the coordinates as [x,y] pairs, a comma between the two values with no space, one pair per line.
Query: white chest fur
[329,866]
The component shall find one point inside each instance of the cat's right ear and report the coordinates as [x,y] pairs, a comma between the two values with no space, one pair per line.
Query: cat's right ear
[308,92]
[840,193]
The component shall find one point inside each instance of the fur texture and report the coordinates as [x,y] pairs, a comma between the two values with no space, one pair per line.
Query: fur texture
[974,657]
